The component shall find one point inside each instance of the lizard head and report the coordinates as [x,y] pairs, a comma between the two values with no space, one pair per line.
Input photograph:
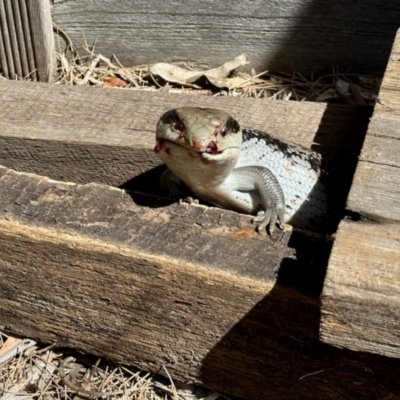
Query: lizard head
[208,134]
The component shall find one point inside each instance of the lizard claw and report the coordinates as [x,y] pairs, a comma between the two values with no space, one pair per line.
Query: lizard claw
[189,200]
[269,218]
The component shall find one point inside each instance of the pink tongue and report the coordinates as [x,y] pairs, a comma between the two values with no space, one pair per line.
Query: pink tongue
[212,148]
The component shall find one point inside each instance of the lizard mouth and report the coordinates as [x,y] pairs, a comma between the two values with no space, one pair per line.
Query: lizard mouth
[211,149]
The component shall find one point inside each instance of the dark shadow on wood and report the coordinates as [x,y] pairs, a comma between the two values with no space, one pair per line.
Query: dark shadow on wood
[340,151]
[332,34]
[307,273]
[147,182]
[145,189]
[341,154]
[295,364]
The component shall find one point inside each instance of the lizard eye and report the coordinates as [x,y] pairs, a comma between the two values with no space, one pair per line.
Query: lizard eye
[231,126]
[178,126]
[172,119]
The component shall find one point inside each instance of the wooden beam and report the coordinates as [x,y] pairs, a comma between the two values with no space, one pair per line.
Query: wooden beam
[107,136]
[376,182]
[360,297]
[189,287]
[26,40]
[375,192]
[275,35]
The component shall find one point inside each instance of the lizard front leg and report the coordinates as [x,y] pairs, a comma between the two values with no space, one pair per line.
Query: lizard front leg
[264,181]
[244,190]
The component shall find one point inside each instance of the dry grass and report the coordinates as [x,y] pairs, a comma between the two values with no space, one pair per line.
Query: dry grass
[83,66]
[45,372]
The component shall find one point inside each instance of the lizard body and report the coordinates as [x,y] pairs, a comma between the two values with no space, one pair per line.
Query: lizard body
[241,169]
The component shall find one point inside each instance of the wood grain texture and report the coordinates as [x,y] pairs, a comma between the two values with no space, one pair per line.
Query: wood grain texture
[87,267]
[42,39]
[107,136]
[26,40]
[360,297]
[375,190]
[276,35]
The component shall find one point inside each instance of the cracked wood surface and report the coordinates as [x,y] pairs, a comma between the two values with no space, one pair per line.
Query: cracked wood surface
[190,287]
[360,297]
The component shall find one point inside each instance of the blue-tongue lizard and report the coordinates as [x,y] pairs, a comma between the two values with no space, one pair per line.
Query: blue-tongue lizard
[241,169]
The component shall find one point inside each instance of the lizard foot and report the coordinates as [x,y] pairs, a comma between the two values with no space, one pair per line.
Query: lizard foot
[189,200]
[269,218]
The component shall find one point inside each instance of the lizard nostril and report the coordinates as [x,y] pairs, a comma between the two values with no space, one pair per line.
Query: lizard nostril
[212,148]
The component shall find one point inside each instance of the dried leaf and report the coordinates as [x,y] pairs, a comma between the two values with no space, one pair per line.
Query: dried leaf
[217,76]
[172,73]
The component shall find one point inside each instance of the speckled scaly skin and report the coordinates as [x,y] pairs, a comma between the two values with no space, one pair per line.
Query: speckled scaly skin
[242,169]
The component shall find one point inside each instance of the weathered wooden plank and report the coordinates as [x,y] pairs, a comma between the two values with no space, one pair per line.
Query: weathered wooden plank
[381,150]
[388,93]
[26,40]
[386,118]
[197,291]
[375,192]
[375,189]
[107,136]
[361,296]
[385,123]
[276,35]
[41,26]
[156,229]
